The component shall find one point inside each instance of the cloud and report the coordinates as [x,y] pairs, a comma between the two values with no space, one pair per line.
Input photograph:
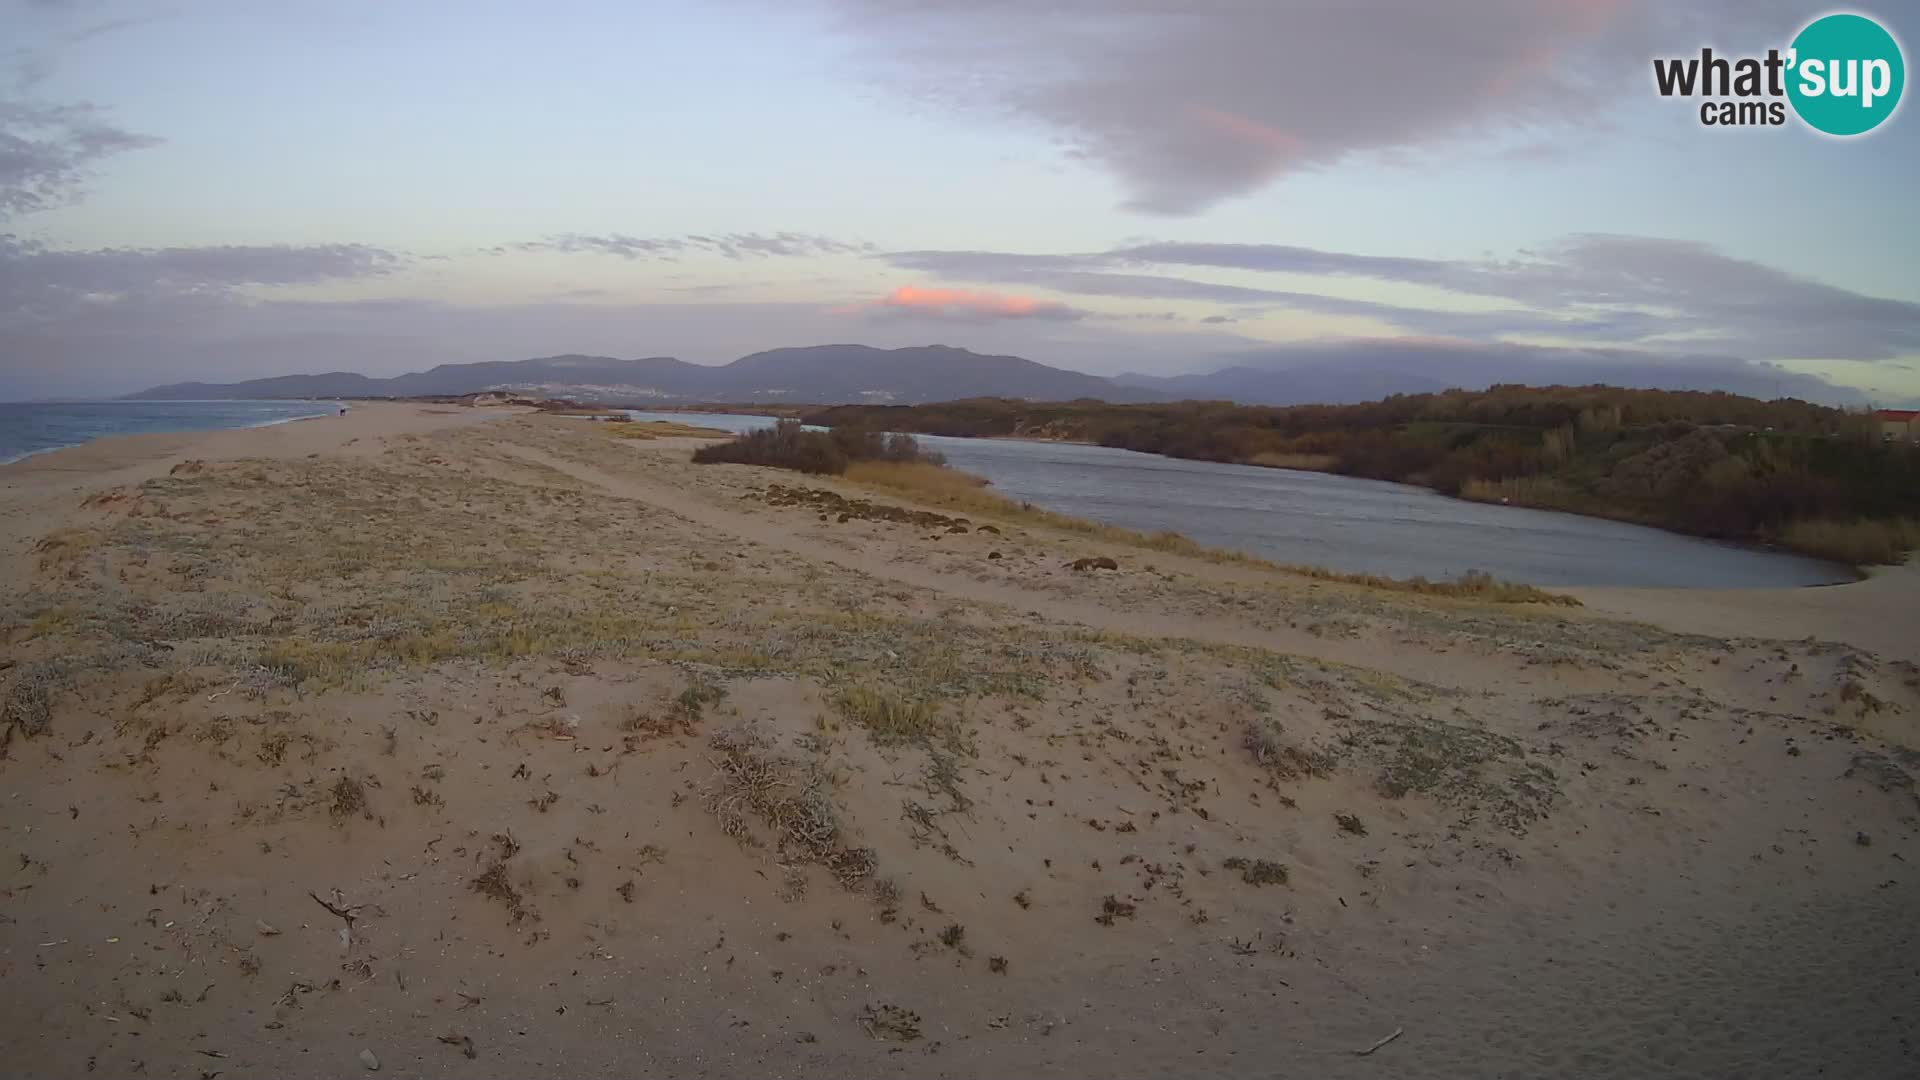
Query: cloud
[1095,274]
[961,304]
[105,27]
[1057,273]
[47,152]
[1190,103]
[1367,369]
[1667,294]
[1071,274]
[46,285]
[1278,257]
[1631,288]
[669,248]
[116,320]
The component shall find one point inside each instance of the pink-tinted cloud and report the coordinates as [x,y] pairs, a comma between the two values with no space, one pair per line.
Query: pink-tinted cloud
[960,304]
[1234,126]
[1193,102]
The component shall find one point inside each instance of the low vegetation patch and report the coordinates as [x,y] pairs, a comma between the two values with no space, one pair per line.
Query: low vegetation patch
[753,783]
[1113,908]
[63,546]
[926,482]
[1307,462]
[693,702]
[890,1023]
[1257,871]
[645,430]
[1860,542]
[1472,769]
[496,883]
[1271,750]
[349,797]
[887,716]
[679,716]
[787,445]
[343,573]
[836,507]
[29,706]
[1472,585]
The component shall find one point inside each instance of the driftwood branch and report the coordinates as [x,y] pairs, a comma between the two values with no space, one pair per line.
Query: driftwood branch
[346,913]
[1397,1032]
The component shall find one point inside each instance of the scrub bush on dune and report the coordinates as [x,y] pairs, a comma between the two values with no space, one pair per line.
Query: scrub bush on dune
[787,445]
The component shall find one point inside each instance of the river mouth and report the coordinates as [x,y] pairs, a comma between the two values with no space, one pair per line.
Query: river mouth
[1351,525]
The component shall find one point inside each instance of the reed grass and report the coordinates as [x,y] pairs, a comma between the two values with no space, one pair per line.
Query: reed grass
[1860,542]
[661,429]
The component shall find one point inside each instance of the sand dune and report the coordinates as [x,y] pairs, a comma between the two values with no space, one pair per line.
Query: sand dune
[504,748]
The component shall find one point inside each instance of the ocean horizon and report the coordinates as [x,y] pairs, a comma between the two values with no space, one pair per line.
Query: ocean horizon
[28,428]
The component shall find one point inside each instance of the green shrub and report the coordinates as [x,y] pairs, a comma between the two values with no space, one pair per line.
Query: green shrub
[788,445]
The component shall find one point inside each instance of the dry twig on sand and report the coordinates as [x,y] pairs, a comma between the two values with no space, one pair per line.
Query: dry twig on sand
[1397,1032]
[348,912]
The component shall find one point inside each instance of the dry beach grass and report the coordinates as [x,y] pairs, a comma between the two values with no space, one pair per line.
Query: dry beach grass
[505,747]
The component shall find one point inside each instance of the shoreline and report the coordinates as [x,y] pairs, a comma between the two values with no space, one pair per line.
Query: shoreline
[371,426]
[1859,572]
[114,459]
[1844,573]
[1841,573]
[1853,574]
[167,431]
[49,459]
[139,456]
[1878,609]
[1880,612]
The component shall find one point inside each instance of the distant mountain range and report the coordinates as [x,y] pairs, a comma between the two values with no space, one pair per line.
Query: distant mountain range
[1328,373]
[823,375]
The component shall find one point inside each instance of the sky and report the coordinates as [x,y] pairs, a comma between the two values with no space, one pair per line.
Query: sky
[203,189]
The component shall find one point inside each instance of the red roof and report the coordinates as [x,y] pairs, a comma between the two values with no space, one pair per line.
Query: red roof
[1897,414]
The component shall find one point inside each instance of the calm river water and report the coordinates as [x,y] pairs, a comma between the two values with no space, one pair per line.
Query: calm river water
[1342,523]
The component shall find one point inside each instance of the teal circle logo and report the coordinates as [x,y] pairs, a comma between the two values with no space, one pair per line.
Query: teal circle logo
[1845,74]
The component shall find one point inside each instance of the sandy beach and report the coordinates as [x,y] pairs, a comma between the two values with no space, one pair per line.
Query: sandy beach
[471,742]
